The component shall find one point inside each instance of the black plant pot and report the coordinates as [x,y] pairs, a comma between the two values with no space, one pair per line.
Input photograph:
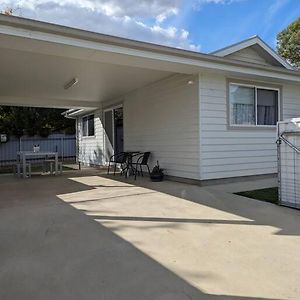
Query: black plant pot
[156,177]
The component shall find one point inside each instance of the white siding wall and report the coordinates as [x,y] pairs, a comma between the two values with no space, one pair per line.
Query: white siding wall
[164,118]
[291,101]
[230,153]
[91,148]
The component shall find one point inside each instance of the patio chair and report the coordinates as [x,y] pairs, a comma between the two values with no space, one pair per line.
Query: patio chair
[142,160]
[119,158]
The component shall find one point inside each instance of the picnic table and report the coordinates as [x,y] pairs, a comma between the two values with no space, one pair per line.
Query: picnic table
[25,155]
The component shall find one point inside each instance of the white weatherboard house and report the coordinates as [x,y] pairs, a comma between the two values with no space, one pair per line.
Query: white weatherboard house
[203,116]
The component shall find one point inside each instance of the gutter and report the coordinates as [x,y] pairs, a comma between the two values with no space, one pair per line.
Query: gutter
[69,113]
[73,113]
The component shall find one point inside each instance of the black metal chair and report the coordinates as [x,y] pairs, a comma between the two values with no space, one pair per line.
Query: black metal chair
[119,158]
[142,160]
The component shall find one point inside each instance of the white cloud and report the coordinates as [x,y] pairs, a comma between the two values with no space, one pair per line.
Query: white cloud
[274,9]
[200,3]
[141,20]
[118,8]
[272,12]
[184,34]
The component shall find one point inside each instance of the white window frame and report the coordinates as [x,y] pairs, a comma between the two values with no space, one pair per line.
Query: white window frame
[256,87]
[87,136]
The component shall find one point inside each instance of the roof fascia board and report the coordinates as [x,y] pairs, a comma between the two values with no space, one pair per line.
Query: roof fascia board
[274,54]
[233,48]
[248,43]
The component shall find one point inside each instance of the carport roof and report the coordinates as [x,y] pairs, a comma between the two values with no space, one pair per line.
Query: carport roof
[38,58]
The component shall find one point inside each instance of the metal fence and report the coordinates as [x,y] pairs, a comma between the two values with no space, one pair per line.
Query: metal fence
[65,145]
[289,162]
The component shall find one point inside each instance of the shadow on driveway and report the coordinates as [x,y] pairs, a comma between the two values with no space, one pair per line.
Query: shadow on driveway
[51,250]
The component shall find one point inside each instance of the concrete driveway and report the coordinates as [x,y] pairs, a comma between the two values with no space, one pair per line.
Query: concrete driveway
[87,236]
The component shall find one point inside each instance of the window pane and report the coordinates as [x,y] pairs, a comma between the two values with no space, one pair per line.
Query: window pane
[267,107]
[84,126]
[91,128]
[242,101]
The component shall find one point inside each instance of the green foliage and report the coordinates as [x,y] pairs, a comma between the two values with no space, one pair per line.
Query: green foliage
[288,43]
[28,120]
[157,170]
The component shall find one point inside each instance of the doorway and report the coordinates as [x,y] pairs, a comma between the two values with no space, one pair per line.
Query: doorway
[114,133]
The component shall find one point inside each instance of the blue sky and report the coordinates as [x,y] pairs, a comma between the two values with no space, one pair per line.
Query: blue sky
[216,25]
[198,25]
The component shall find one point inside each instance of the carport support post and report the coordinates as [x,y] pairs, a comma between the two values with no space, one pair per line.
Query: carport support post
[77,144]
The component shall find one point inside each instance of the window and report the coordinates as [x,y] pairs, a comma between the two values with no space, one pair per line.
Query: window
[267,107]
[253,105]
[88,127]
[242,101]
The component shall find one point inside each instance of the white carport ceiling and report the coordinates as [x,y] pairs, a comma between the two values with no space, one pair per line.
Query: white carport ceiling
[34,76]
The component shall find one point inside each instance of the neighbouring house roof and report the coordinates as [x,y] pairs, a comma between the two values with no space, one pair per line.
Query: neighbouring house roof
[247,49]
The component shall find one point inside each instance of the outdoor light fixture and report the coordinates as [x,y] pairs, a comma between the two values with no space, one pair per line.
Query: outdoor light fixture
[71,83]
[190,82]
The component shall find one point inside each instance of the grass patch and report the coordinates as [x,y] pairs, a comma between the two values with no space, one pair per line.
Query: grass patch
[268,195]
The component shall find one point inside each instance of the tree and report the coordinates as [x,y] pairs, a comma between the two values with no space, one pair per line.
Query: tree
[29,120]
[288,43]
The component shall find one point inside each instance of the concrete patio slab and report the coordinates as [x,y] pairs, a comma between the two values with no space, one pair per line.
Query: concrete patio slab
[85,235]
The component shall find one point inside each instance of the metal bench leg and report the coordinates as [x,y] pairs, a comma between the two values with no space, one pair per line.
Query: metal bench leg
[19,170]
[14,169]
[29,170]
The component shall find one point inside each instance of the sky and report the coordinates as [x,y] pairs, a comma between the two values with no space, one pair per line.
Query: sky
[197,25]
